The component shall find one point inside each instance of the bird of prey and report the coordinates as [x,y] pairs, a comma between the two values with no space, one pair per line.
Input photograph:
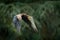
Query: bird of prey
[26,18]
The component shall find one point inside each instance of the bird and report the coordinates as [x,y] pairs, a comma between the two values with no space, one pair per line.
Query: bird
[26,18]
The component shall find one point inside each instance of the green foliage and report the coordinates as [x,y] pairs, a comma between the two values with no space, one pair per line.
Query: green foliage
[46,17]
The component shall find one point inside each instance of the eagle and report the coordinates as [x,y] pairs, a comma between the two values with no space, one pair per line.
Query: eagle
[26,18]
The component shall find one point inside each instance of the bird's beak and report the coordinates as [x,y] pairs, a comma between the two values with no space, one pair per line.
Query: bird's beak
[33,24]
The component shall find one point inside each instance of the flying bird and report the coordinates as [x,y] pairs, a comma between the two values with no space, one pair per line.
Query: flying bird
[26,18]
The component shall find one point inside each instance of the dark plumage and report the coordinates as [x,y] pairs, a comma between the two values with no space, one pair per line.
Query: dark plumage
[25,19]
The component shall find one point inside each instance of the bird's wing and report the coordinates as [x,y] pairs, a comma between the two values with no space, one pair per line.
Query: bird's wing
[32,23]
[16,23]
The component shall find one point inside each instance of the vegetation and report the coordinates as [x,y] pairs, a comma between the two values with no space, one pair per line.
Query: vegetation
[46,16]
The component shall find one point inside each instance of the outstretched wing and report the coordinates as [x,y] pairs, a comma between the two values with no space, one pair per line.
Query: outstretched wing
[29,20]
[16,23]
[32,23]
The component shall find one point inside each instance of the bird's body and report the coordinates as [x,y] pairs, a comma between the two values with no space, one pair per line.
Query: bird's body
[26,18]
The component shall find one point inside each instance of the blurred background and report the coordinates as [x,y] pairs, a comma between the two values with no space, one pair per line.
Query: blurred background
[46,16]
